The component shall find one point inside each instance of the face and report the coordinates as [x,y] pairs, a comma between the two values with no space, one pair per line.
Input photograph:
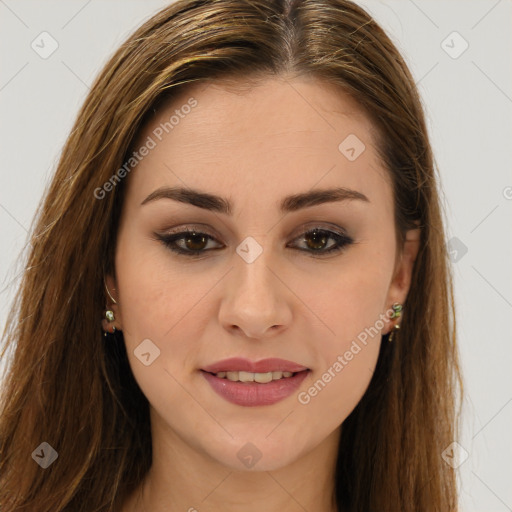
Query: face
[281,273]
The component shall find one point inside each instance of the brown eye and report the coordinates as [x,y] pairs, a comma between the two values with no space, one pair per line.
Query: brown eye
[191,243]
[317,241]
[195,241]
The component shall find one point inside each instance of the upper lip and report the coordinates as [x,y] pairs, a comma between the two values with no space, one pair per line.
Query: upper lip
[236,364]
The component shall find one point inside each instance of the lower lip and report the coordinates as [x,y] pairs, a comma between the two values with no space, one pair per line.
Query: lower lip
[251,394]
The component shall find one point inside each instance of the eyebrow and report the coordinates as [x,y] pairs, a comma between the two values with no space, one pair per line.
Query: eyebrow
[219,204]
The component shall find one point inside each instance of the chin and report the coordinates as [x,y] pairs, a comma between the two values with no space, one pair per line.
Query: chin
[260,454]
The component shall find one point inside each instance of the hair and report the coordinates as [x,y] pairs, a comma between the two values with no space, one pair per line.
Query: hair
[66,386]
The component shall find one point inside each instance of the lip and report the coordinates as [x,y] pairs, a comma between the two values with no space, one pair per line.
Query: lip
[239,364]
[252,394]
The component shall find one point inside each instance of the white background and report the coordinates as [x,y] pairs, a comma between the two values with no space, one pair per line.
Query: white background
[469,108]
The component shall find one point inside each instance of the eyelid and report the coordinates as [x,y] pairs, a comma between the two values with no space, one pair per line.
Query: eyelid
[302,230]
[324,226]
[198,228]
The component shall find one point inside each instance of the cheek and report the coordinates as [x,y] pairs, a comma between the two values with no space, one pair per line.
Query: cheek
[156,299]
[346,353]
[346,348]
[348,299]
[153,290]
[350,312]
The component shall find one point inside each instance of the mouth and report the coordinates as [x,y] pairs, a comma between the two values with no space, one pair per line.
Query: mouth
[245,383]
[261,378]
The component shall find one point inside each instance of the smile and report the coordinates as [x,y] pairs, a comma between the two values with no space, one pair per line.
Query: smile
[255,389]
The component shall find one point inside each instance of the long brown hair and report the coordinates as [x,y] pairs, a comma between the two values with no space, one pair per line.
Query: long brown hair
[67,387]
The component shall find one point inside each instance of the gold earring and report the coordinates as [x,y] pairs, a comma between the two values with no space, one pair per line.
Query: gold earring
[396,328]
[108,293]
[397,312]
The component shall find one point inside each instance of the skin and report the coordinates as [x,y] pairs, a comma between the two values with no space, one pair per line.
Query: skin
[255,147]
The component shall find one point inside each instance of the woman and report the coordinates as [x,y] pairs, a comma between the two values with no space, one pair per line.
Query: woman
[238,294]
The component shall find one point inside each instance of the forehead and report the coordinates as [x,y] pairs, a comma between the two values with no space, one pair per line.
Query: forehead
[275,133]
[255,110]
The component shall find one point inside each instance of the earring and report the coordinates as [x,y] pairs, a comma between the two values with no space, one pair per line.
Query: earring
[109,314]
[397,312]
[390,337]
[108,293]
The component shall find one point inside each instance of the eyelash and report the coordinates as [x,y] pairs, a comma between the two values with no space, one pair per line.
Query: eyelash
[342,241]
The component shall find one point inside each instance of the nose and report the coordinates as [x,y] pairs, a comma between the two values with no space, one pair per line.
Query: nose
[256,300]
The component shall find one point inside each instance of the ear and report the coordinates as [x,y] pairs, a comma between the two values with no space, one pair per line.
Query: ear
[112,293]
[401,281]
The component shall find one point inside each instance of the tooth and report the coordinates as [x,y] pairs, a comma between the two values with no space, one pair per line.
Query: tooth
[263,378]
[246,377]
